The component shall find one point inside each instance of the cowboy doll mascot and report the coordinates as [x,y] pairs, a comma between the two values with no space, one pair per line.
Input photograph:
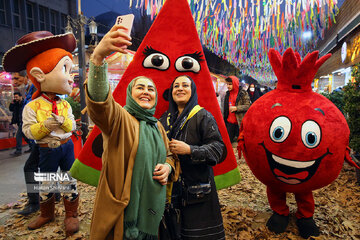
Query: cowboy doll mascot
[48,119]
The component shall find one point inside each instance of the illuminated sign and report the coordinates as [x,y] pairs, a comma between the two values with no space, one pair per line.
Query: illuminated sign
[343,52]
[355,48]
[330,83]
[316,83]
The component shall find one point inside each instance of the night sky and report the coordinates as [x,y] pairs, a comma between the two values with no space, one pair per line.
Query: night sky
[92,8]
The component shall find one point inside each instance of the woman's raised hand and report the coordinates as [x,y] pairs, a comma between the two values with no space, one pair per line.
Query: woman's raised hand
[161,173]
[179,147]
[116,40]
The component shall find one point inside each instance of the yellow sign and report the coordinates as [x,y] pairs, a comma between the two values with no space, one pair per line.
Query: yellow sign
[330,83]
[316,83]
[355,48]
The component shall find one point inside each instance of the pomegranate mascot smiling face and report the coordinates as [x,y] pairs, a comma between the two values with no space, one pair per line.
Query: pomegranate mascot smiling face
[299,141]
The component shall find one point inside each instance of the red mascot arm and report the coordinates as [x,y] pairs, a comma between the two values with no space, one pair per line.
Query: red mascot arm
[349,159]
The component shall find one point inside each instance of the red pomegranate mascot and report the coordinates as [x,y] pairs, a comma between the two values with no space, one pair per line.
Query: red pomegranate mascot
[294,140]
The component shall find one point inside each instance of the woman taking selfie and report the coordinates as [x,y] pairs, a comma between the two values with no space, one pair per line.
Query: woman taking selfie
[196,140]
[130,196]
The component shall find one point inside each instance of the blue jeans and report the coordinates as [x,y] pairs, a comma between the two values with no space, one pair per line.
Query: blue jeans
[233,130]
[52,158]
[19,136]
[31,166]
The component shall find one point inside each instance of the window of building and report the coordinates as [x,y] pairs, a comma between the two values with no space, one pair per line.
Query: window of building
[30,16]
[63,22]
[2,12]
[16,14]
[42,18]
[53,22]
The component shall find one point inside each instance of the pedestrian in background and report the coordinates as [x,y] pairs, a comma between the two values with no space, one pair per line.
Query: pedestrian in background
[31,166]
[254,93]
[236,104]
[16,107]
[20,82]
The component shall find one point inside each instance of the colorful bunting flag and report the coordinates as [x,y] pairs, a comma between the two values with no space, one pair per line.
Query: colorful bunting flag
[242,31]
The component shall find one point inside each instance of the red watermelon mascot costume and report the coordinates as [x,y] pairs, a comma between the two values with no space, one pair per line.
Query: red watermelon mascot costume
[294,140]
[171,40]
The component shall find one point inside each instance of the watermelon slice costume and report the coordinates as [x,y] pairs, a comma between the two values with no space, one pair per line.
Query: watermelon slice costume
[173,34]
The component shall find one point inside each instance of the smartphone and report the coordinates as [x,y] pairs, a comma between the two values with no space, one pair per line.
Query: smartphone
[126,21]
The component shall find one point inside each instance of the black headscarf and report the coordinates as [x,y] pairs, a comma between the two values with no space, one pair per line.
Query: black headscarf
[173,121]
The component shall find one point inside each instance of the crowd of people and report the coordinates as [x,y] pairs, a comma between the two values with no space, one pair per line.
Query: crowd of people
[236,101]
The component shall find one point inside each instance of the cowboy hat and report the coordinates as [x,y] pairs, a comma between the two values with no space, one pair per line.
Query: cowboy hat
[33,44]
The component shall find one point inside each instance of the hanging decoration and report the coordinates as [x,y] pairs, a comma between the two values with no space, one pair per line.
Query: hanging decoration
[242,31]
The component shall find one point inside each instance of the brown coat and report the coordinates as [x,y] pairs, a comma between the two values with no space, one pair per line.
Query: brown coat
[120,142]
[242,105]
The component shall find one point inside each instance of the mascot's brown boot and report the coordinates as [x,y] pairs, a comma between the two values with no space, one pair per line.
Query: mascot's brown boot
[47,209]
[71,221]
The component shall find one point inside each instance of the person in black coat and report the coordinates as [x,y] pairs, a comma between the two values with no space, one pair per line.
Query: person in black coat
[196,140]
[16,107]
[31,166]
[254,93]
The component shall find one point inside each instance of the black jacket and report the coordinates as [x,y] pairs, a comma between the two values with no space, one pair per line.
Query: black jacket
[207,149]
[16,108]
[255,96]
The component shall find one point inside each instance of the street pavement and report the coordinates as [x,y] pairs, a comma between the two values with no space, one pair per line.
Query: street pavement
[12,181]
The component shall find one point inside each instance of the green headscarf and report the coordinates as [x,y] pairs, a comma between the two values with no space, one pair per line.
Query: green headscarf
[147,196]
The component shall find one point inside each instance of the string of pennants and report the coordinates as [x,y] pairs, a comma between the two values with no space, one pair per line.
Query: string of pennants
[242,31]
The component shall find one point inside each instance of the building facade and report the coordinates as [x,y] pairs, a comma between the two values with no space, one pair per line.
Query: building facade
[18,17]
[342,40]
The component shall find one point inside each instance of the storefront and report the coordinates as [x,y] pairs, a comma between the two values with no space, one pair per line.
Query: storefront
[333,81]
[343,42]
[7,130]
[6,92]
[117,64]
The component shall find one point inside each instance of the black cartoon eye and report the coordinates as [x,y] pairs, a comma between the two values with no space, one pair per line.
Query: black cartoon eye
[155,59]
[189,63]
[97,146]
[310,134]
[280,129]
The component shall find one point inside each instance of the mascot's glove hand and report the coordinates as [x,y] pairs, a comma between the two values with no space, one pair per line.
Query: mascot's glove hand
[59,119]
[349,159]
[51,124]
